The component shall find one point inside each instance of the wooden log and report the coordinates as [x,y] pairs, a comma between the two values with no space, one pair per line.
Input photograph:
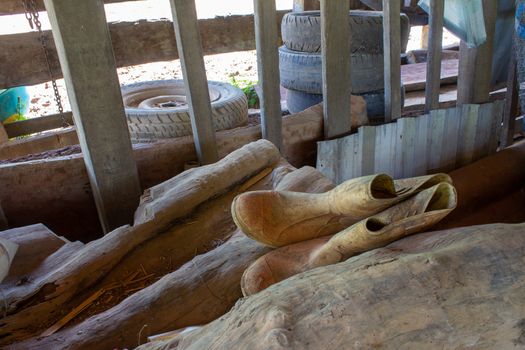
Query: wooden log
[435,42]
[355,303]
[189,47]
[23,147]
[160,207]
[35,244]
[335,43]
[86,56]
[475,72]
[134,43]
[392,52]
[197,293]
[268,70]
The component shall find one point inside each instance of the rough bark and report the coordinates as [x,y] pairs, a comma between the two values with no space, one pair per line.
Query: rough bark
[38,302]
[197,293]
[462,288]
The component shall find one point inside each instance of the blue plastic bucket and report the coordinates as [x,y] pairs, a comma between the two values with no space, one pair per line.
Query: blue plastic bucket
[14,104]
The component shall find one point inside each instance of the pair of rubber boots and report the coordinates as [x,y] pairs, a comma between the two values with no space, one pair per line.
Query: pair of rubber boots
[368,212]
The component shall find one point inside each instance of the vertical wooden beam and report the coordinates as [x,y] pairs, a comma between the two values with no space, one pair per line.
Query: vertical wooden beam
[335,43]
[3,134]
[267,43]
[511,102]
[86,56]
[435,43]
[189,47]
[475,64]
[305,5]
[392,52]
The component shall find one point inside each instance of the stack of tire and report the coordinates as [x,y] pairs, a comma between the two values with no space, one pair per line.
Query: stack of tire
[300,59]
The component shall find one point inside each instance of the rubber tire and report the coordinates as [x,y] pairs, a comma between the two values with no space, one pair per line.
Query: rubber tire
[301,31]
[298,101]
[229,111]
[302,71]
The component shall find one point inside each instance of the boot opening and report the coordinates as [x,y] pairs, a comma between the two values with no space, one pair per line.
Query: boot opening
[435,180]
[374,225]
[443,198]
[382,186]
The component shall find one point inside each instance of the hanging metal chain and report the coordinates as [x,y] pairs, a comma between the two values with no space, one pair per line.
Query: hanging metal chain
[32,16]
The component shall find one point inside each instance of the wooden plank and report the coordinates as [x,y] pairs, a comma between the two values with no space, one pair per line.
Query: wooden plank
[86,56]
[468,116]
[366,139]
[408,150]
[268,70]
[335,33]
[498,111]
[305,5]
[415,100]
[449,147]
[475,64]
[12,7]
[421,151]
[383,157]
[392,52]
[512,102]
[414,76]
[197,92]
[36,144]
[34,125]
[435,42]
[484,129]
[134,43]
[436,133]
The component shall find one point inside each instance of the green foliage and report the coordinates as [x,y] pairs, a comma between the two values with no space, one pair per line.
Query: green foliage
[248,87]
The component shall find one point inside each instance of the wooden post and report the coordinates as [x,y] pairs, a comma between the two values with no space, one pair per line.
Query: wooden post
[475,64]
[335,43]
[267,43]
[392,52]
[84,48]
[3,134]
[305,5]
[511,102]
[435,43]
[189,47]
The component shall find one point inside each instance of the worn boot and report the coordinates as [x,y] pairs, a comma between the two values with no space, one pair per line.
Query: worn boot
[413,215]
[279,218]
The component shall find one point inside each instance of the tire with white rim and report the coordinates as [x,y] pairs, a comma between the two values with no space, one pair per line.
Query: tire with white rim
[158,109]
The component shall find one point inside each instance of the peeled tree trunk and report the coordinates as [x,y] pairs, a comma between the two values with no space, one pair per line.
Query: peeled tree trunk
[198,292]
[460,288]
[41,300]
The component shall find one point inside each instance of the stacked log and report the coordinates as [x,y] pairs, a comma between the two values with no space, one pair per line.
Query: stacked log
[174,214]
